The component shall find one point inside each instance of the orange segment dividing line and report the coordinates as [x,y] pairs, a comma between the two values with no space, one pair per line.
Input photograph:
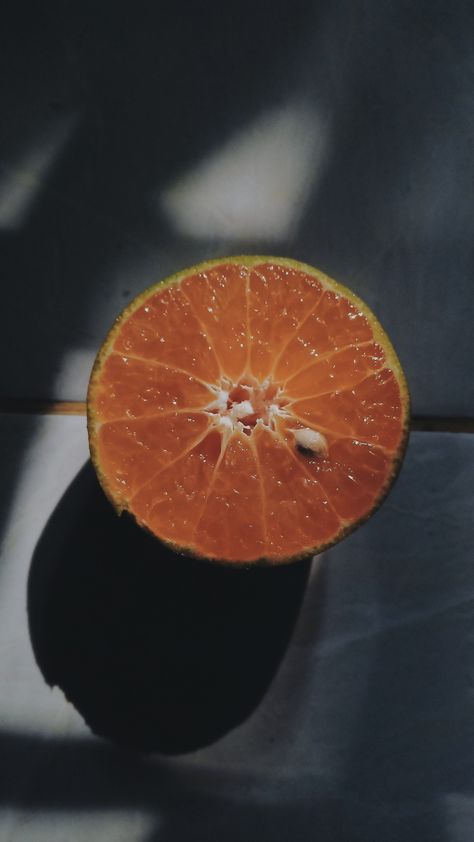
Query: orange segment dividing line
[170,503]
[302,462]
[219,300]
[328,357]
[332,324]
[166,329]
[204,329]
[232,520]
[137,388]
[352,476]
[279,301]
[262,495]
[134,451]
[371,411]
[152,363]
[296,514]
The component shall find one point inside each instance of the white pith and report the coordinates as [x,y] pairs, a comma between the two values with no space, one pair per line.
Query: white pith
[257,405]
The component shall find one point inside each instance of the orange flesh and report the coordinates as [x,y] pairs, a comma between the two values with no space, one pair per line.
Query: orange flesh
[194,404]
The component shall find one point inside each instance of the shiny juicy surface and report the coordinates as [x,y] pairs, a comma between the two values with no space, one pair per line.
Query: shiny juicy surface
[245,493]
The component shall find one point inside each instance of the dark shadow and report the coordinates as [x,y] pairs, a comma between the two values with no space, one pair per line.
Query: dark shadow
[156,651]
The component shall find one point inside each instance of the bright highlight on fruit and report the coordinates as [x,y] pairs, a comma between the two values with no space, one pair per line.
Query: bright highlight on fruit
[249,409]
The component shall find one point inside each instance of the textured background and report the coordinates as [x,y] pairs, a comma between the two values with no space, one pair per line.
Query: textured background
[140,138]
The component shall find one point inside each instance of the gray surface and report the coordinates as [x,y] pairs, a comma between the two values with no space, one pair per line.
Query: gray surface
[133,145]
[365,733]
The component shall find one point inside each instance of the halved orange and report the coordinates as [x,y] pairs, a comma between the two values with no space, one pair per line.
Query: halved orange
[248,409]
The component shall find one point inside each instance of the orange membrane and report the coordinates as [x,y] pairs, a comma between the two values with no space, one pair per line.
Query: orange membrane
[248,412]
